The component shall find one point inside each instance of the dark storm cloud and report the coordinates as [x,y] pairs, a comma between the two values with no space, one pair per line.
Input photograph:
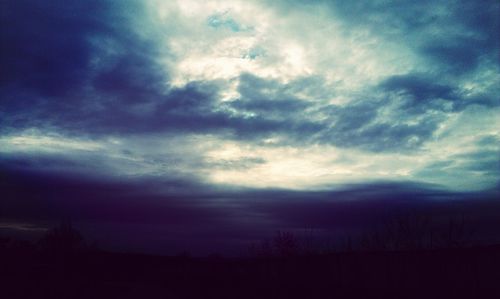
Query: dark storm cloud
[124,214]
[419,87]
[100,78]
[46,162]
[453,35]
[354,116]
[354,207]
[461,54]
[393,136]
[162,215]
[358,125]
[424,92]
[195,108]
[131,78]
[46,194]
[44,45]
[351,125]
[79,67]
[68,60]
[461,57]
[84,68]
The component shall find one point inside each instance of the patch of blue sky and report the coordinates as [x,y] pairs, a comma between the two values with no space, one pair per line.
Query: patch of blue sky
[254,53]
[223,21]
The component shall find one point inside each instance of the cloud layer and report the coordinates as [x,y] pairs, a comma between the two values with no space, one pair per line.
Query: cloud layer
[229,95]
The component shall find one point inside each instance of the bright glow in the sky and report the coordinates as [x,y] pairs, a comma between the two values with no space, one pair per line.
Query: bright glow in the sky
[246,164]
[370,89]
[33,141]
[274,46]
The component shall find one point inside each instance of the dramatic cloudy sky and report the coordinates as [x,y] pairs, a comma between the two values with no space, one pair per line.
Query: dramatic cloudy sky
[232,114]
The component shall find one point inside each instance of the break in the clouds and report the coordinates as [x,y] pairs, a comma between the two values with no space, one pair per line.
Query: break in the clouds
[292,94]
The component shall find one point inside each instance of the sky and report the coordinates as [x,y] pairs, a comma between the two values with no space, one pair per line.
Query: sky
[166,124]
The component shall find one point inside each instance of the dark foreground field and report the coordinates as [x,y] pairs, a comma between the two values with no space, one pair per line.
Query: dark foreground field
[451,273]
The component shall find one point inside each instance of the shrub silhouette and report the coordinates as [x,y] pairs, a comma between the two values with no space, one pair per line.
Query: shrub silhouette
[417,232]
[262,249]
[285,244]
[62,239]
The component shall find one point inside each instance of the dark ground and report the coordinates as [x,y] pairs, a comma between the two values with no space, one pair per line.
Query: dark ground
[450,273]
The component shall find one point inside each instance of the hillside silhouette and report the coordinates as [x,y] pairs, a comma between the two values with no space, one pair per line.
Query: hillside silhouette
[60,265]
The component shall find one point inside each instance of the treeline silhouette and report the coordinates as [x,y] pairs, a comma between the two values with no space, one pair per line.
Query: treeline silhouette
[406,233]
[409,257]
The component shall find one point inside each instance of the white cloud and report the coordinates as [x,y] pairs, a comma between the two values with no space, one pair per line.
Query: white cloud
[274,45]
[36,141]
